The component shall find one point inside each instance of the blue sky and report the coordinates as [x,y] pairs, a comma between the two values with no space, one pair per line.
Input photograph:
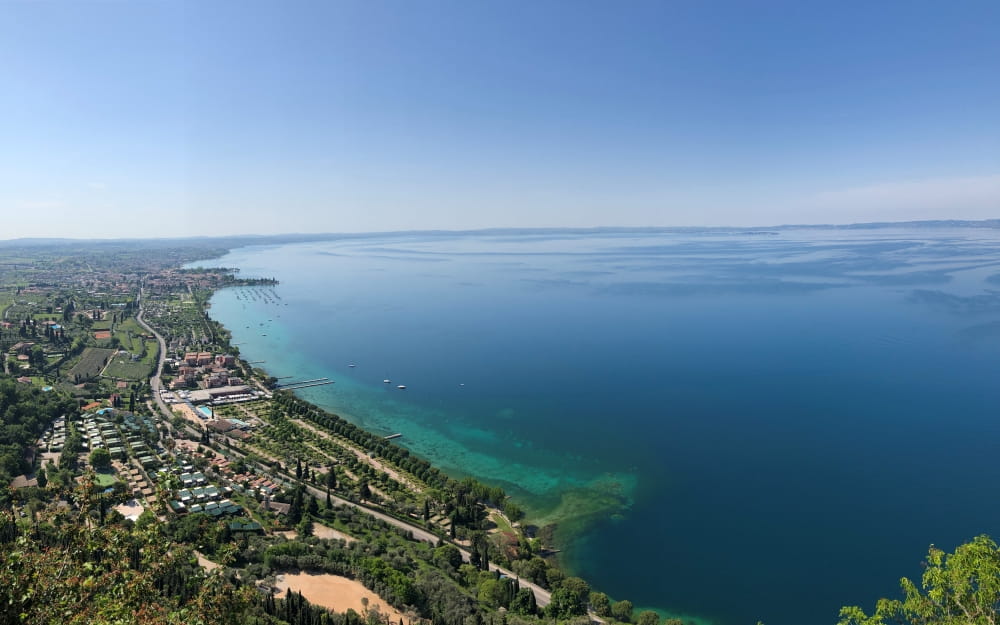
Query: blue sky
[153,118]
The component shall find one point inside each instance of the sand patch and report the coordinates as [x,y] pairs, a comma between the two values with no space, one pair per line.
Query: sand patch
[319,531]
[334,592]
[131,509]
[205,563]
[322,531]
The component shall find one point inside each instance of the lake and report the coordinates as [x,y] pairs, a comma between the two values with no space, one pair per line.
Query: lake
[723,425]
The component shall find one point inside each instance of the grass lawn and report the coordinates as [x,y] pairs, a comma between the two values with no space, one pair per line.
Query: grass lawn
[502,524]
[123,367]
[90,364]
[105,479]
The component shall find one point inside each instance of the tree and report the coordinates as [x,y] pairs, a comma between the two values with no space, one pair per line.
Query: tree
[37,357]
[448,555]
[564,604]
[100,458]
[622,611]
[579,588]
[600,603]
[648,617]
[958,589]
[524,602]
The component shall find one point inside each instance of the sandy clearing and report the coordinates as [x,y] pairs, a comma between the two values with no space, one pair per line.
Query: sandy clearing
[205,563]
[320,531]
[334,592]
[130,509]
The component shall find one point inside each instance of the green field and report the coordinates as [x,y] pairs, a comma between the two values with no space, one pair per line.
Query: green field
[91,363]
[123,367]
[105,479]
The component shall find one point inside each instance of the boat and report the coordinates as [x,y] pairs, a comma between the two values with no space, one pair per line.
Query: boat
[401,387]
[386,381]
[352,365]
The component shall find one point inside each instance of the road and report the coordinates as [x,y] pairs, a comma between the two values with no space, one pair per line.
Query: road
[155,383]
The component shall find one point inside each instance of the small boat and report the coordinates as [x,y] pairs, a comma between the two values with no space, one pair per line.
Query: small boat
[386,381]
[401,387]
[352,365]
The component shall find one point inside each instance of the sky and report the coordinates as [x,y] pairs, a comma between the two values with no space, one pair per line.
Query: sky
[151,118]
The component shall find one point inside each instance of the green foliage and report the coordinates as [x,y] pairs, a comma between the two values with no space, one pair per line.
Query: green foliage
[600,603]
[64,571]
[564,604]
[957,589]
[524,602]
[25,411]
[622,611]
[448,556]
[100,458]
[648,617]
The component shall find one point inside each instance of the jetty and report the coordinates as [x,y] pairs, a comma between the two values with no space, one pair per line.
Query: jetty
[290,386]
[392,436]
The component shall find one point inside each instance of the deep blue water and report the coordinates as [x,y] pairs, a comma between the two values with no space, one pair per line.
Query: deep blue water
[728,426]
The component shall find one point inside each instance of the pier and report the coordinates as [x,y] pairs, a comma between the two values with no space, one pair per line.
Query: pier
[291,386]
[392,436]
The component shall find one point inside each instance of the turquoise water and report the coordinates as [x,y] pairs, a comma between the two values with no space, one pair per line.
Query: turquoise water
[726,425]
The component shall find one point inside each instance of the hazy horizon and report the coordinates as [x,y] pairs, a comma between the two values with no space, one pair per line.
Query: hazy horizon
[169,119]
[292,236]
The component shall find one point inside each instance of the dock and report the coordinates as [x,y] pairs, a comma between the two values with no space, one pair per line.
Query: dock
[290,386]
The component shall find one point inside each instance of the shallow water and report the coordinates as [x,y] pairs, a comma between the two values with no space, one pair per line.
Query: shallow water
[727,425]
